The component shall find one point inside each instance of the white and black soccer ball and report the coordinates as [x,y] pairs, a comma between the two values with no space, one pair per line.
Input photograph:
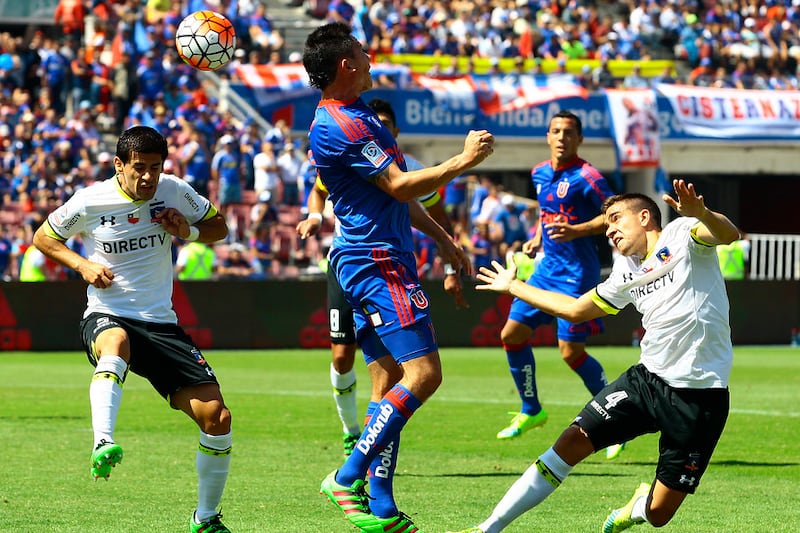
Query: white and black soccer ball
[205,40]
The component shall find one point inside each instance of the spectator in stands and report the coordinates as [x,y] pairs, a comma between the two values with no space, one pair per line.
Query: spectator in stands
[703,74]
[455,200]
[196,261]
[264,36]
[688,47]
[289,169]
[277,135]
[226,174]
[32,267]
[55,73]
[480,246]
[261,248]
[69,16]
[721,80]
[602,76]
[124,89]
[586,79]
[6,247]
[507,227]
[80,79]
[236,265]
[266,172]
[733,258]
[635,80]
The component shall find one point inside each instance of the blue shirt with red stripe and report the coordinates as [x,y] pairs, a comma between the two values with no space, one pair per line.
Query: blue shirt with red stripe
[572,193]
[350,147]
[373,251]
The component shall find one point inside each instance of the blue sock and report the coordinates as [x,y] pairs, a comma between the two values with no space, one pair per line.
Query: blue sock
[381,481]
[369,412]
[523,370]
[389,418]
[591,372]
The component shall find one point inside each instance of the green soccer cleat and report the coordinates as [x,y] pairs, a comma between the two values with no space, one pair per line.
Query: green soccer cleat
[353,501]
[613,451]
[474,529]
[395,524]
[212,525]
[620,519]
[522,423]
[106,455]
[350,440]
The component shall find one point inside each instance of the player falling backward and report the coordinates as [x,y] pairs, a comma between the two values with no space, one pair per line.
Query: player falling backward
[680,385]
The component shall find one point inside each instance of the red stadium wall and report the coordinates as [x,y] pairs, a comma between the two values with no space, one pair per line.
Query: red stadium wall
[291,314]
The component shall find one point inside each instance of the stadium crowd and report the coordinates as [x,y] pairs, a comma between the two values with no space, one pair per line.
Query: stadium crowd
[112,64]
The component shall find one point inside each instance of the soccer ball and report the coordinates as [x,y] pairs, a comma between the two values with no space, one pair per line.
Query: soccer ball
[205,40]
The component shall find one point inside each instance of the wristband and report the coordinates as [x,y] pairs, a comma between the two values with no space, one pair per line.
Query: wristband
[449,270]
[315,216]
[194,233]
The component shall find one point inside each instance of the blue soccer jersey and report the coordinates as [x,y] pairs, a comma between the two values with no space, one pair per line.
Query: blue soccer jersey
[572,193]
[373,251]
[351,146]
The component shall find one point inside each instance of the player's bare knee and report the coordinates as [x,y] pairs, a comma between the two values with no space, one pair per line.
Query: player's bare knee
[515,333]
[218,421]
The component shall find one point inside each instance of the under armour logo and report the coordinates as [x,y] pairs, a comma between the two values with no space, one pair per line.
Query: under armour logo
[109,220]
[627,277]
[686,480]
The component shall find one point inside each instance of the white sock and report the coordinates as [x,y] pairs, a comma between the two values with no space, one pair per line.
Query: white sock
[344,394]
[213,463]
[532,487]
[105,395]
[639,511]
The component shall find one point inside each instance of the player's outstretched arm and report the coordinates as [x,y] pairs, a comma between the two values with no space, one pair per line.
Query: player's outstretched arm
[405,186]
[504,280]
[715,228]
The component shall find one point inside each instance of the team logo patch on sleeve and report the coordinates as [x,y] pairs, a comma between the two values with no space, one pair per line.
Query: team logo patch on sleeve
[374,154]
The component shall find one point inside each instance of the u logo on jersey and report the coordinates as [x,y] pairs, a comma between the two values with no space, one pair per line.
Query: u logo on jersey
[420,299]
[563,188]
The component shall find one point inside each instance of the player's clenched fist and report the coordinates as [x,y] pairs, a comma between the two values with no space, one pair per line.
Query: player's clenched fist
[478,145]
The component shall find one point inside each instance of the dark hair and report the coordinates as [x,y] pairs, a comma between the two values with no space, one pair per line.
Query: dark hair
[383,107]
[141,139]
[324,48]
[566,113]
[636,202]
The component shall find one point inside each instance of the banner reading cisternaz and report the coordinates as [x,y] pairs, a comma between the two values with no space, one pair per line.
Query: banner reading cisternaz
[734,113]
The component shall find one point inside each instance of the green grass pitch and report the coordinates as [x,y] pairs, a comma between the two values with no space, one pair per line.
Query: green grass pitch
[451,471]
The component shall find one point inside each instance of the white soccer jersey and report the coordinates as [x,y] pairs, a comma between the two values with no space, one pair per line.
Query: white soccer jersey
[122,234]
[680,292]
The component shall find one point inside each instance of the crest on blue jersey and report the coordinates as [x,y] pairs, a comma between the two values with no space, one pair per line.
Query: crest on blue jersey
[563,189]
[374,154]
[664,255]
